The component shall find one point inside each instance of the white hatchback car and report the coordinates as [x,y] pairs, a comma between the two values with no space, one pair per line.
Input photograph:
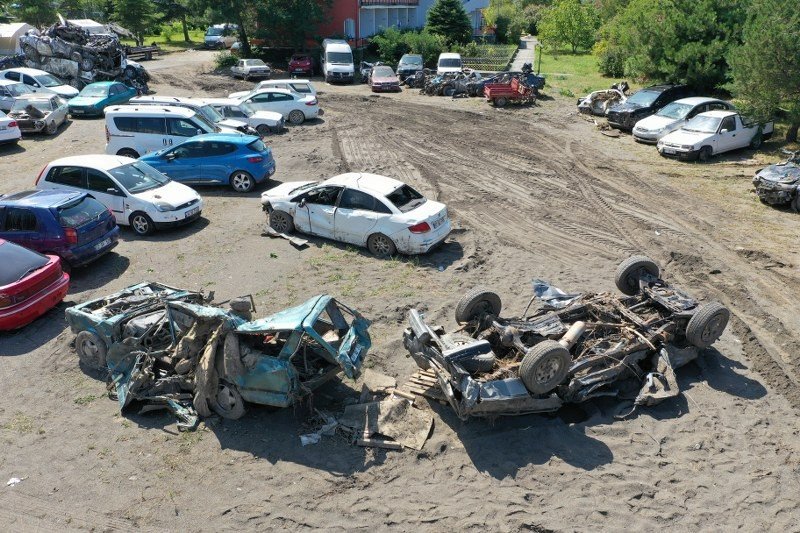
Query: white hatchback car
[38,80]
[294,107]
[301,87]
[136,194]
[383,214]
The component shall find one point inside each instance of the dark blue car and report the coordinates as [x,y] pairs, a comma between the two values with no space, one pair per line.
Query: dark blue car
[71,225]
[240,161]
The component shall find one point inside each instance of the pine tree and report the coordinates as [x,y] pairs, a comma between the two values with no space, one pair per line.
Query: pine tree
[448,19]
[39,13]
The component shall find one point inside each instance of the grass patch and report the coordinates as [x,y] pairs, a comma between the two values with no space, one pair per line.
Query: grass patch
[21,423]
[83,400]
[574,75]
[171,42]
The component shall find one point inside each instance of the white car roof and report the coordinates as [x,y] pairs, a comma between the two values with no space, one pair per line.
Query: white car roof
[378,185]
[267,83]
[166,99]
[6,81]
[271,90]
[697,100]
[26,70]
[98,161]
[719,113]
[149,109]
[449,55]
[222,101]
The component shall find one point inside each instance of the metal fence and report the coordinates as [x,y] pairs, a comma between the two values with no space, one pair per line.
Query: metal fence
[490,57]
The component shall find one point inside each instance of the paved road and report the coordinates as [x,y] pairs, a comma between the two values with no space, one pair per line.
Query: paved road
[525,53]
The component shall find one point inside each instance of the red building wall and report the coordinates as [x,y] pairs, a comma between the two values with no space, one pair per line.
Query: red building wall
[339,11]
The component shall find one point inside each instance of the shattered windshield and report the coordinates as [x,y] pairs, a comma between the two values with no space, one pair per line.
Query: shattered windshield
[41,105]
[643,98]
[701,124]
[405,198]
[675,111]
[138,177]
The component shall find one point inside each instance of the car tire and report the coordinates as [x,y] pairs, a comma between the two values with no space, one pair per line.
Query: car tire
[127,152]
[281,221]
[476,302]
[297,117]
[449,91]
[51,128]
[795,204]
[141,224]
[242,181]
[544,367]
[380,245]
[91,350]
[704,155]
[500,101]
[228,403]
[476,364]
[707,324]
[263,130]
[757,141]
[628,272]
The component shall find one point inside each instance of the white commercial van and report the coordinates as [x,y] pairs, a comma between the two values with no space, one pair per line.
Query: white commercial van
[133,131]
[224,125]
[449,63]
[337,61]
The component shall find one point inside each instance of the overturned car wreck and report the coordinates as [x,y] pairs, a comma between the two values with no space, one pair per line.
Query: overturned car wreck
[170,348]
[779,184]
[80,58]
[573,347]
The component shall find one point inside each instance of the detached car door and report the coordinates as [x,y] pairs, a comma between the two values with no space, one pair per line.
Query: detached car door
[358,213]
[317,213]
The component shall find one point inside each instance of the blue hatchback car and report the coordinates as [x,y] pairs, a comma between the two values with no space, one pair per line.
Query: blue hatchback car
[71,225]
[240,161]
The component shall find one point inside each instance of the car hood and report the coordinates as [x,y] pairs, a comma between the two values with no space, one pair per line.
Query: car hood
[282,191]
[654,122]
[786,173]
[226,123]
[86,100]
[385,79]
[65,90]
[686,137]
[626,107]
[172,192]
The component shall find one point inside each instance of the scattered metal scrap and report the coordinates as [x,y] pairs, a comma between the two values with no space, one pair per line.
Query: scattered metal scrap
[296,241]
[599,102]
[572,348]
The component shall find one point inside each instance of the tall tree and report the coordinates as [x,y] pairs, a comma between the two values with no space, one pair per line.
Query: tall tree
[449,19]
[766,67]
[138,16]
[290,22]
[39,13]
[569,23]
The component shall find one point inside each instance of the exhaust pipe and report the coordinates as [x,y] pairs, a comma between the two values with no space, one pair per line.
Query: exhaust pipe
[572,335]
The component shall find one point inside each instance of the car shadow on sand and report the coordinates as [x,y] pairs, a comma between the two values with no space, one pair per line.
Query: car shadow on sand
[126,234]
[11,149]
[36,334]
[98,273]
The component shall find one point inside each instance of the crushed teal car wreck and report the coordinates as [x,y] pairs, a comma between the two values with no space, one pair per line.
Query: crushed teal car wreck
[175,350]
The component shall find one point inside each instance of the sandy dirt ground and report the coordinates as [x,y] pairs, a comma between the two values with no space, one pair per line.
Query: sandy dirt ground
[534,193]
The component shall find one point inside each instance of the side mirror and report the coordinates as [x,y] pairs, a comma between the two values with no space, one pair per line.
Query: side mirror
[302,203]
[112,190]
[171,156]
[199,131]
[724,130]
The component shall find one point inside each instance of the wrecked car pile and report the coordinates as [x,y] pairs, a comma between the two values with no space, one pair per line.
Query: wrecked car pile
[170,348]
[779,184]
[470,82]
[572,348]
[80,58]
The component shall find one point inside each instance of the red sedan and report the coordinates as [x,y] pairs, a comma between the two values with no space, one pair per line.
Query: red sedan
[30,285]
[383,78]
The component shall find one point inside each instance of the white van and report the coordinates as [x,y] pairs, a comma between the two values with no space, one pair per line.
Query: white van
[221,36]
[301,87]
[449,63]
[337,61]
[133,131]
[224,125]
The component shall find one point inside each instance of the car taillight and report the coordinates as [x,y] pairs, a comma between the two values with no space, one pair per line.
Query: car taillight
[312,102]
[5,300]
[72,235]
[12,124]
[40,175]
[422,227]
[255,159]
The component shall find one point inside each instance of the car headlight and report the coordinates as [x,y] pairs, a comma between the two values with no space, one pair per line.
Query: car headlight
[687,147]
[164,206]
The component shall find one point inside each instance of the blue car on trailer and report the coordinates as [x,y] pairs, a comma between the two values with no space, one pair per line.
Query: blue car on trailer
[241,161]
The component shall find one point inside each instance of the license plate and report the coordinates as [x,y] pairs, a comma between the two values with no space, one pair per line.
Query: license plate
[298,70]
[192,212]
[668,151]
[437,223]
[77,111]
[102,244]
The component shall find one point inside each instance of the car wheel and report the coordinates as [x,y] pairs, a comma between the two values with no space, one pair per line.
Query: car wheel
[51,128]
[127,152]
[228,403]
[705,154]
[297,117]
[91,350]
[479,301]
[242,181]
[449,91]
[758,139]
[141,224]
[707,324]
[629,271]
[500,101]
[380,245]
[263,130]
[281,221]
[544,367]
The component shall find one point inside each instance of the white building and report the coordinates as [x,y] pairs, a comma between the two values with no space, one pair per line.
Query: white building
[9,37]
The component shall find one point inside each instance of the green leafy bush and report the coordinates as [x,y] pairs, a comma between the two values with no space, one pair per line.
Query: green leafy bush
[392,43]
[225,59]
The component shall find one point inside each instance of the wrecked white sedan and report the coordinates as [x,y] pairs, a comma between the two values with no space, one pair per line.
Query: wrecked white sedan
[383,214]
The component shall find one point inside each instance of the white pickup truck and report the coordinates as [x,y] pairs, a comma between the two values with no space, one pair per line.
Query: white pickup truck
[712,133]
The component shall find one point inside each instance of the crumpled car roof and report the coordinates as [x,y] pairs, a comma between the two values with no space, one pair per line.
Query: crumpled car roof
[292,319]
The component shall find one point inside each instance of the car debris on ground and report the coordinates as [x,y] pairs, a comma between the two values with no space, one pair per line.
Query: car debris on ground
[79,57]
[599,102]
[572,348]
[779,184]
[169,348]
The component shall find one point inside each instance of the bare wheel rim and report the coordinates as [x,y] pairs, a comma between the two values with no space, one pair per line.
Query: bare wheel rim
[263,130]
[381,245]
[548,370]
[51,128]
[226,399]
[89,348]
[296,117]
[280,222]
[714,328]
[140,224]
[242,182]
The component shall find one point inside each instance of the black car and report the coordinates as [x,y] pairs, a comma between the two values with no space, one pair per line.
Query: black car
[409,65]
[644,103]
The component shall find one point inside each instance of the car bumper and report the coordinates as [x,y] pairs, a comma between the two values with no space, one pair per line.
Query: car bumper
[270,170]
[179,217]
[340,76]
[420,243]
[678,153]
[774,196]
[645,137]
[26,312]
[385,88]
[86,111]
[10,136]
[86,253]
